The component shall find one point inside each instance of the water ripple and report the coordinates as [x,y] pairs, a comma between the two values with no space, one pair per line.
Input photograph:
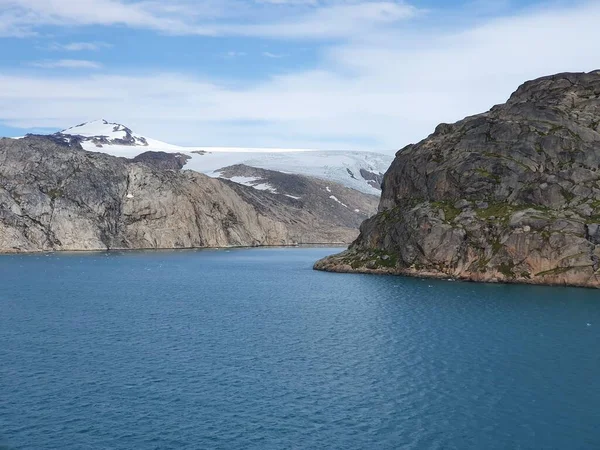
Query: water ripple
[250,349]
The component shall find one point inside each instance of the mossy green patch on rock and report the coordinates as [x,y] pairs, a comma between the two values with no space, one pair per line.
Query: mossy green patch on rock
[500,210]
[55,193]
[496,245]
[486,174]
[569,196]
[385,259]
[506,269]
[553,272]
[450,212]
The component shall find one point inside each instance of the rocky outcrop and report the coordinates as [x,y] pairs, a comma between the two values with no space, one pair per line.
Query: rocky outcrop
[163,160]
[374,179]
[511,195]
[325,199]
[56,196]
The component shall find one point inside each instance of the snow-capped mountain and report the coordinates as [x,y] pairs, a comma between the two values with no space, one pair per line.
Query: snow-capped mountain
[101,132]
[362,171]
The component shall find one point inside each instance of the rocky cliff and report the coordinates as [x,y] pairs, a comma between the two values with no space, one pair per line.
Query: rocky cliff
[511,195]
[56,196]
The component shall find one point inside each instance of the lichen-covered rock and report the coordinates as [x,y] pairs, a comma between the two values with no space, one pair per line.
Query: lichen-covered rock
[510,195]
[56,196]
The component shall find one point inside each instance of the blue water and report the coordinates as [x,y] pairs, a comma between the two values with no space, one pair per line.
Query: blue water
[251,349]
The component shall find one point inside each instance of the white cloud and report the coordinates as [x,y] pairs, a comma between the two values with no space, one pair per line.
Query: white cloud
[289,2]
[24,16]
[272,55]
[379,92]
[66,64]
[271,19]
[11,27]
[78,46]
[333,21]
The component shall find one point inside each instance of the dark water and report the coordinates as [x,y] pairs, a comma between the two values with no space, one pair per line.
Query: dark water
[251,349]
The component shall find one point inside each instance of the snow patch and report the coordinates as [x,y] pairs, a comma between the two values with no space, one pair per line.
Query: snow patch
[327,189]
[97,128]
[292,196]
[334,198]
[265,187]
[253,182]
[246,181]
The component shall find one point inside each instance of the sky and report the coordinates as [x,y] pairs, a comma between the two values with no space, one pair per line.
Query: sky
[325,74]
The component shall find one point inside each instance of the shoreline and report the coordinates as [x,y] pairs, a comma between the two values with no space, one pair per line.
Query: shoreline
[323,265]
[170,249]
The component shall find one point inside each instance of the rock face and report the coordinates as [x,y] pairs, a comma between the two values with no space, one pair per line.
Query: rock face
[374,179]
[333,201]
[56,196]
[511,195]
[162,160]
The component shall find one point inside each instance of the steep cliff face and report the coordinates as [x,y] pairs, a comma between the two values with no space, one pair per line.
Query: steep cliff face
[56,196]
[510,195]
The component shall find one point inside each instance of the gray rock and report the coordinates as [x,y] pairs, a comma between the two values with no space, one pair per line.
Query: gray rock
[348,207]
[593,233]
[529,164]
[462,204]
[374,179]
[56,196]
[163,160]
[529,217]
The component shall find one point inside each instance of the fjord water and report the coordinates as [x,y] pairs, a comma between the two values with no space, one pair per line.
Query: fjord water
[251,349]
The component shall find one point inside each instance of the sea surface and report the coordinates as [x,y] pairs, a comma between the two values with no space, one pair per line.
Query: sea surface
[251,349]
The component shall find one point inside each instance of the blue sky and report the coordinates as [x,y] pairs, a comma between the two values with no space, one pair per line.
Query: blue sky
[329,74]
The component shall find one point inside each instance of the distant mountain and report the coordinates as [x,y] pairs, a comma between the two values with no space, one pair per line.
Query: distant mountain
[101,132]
[323,199]
[56,196]
[362,171]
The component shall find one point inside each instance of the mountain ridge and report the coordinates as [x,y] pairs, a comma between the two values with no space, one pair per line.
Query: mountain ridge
[362,171]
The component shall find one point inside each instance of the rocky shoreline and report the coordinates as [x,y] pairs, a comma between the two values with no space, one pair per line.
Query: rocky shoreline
[343,263]
[511,195]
